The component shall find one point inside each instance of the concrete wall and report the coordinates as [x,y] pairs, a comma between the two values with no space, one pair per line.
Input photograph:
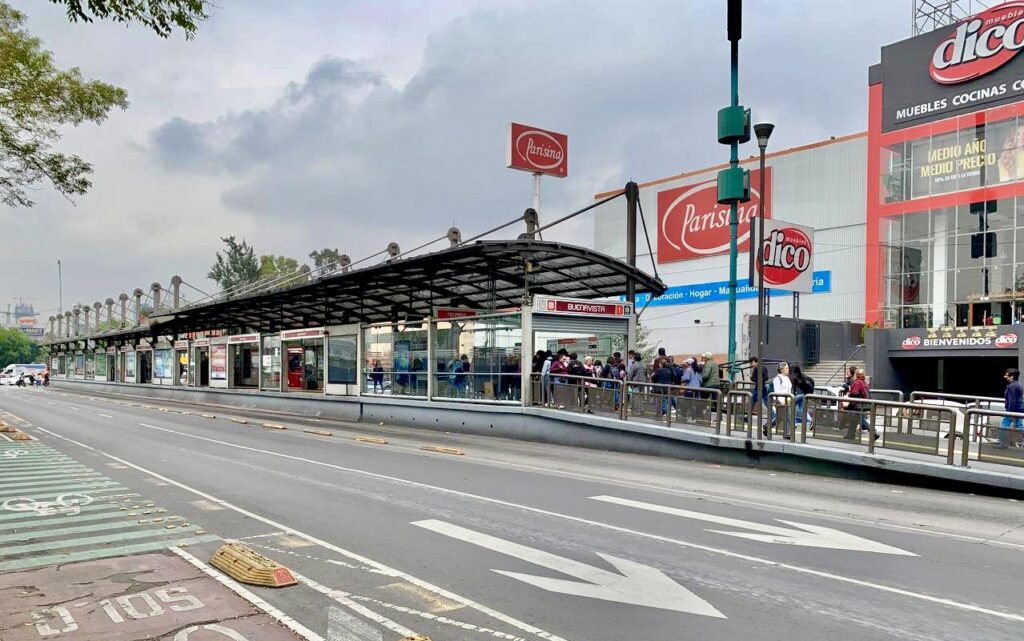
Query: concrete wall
[838,340]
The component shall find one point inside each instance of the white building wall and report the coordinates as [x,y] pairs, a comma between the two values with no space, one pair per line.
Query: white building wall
[821,186]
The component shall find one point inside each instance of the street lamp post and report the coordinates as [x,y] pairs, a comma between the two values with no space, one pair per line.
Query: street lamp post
[763,131]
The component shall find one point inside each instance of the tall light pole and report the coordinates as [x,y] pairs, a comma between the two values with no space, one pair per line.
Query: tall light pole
[763,131]
[60,289]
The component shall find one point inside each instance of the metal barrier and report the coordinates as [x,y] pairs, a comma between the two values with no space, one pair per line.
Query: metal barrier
[782,412]
[700,406]
[912,427]
[738,406]
[894,395]
[966,399]
[586,394]
[1009,439]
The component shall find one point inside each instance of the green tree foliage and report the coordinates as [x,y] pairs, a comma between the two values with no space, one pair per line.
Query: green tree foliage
[162,16]
[274,267]
[642,343]
[15,347]
[324,257]
[236,266]
[37,100]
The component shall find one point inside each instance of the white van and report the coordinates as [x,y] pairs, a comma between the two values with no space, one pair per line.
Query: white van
[16,371]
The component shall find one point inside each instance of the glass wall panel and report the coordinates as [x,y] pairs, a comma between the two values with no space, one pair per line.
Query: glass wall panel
[479,358]
[270,367]
[163,363]
[395,359]
[341,360]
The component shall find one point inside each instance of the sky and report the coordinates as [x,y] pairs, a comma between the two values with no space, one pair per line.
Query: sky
[308,124]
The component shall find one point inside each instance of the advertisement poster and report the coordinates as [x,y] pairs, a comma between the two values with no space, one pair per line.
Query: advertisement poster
[787,256]
[219,362]
[162,363]
[129,366]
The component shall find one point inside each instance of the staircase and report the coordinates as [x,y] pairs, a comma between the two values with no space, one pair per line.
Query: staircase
[830,372]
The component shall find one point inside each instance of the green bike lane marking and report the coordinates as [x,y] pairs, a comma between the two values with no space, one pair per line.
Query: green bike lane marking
[111,513]
[104,553]
[92,507]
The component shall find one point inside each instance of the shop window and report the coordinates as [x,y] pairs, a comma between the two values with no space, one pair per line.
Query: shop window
[304,363]
[895,173]
[1005,140]
[479,358]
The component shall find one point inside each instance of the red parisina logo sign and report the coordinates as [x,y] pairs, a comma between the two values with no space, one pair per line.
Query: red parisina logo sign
[691,223]
[787,253]
[537,151]
[979,45]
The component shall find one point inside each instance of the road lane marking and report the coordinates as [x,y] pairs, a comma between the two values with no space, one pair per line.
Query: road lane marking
[804,535]
[249,596]
[635,584]
[105,415]
[345,599]
[380,567]
[687,544]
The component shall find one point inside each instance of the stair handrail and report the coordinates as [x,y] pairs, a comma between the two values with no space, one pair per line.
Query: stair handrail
[846,363]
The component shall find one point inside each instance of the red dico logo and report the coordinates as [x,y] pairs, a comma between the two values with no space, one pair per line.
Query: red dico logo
[691,223]
[980,45]
[787,255]
[1006,340]
[911,342]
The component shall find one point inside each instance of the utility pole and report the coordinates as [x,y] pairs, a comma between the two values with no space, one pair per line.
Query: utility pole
[60,289]
[733,183]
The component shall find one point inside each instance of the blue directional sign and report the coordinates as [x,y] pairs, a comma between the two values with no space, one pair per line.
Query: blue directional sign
[719,291]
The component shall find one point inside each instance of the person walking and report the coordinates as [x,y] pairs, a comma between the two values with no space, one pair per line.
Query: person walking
[781,384]
[802,386]
[859,389]
[1013,401]
[759,377]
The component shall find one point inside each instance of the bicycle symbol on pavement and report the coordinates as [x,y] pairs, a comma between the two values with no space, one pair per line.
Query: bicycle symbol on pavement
[67,504]
[13,453]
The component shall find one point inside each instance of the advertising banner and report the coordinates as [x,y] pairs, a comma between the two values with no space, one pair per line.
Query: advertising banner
[906,272]
[537,151]
[129,366]
[717,291]
[162,364]
[787,256]
[956,69]
[691,223]
[219,362]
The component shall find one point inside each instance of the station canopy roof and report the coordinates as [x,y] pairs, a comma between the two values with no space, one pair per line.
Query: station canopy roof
[484,275]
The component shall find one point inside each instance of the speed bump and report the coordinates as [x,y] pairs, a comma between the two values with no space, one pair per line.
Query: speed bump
[208,415]
[243,564]
[371,439]
[443,450]
[20,436]
[241,421]
[274,426]
[4,427]
[318,432]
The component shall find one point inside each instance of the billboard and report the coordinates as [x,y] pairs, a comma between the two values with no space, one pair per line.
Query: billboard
[691,223]
[787,256]
[717,291]
[537,151]
[954,70]
[219,362]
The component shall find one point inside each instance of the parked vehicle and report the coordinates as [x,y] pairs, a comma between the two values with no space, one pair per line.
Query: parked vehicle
[24,372]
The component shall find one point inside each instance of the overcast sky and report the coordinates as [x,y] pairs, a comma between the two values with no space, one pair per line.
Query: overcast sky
[309,123]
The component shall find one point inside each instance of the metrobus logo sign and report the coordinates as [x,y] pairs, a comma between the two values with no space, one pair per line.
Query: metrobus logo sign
[979,45]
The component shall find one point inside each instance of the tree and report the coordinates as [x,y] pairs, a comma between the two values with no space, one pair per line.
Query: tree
[37,100]
[162,16]
[15,347]
[325,257]
[274,267]
[237,266]
[647,350]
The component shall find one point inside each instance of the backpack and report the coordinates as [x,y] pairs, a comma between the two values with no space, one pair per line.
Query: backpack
[807,386]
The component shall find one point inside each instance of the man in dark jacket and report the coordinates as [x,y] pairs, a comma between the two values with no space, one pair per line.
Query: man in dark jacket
[759,377]
[1013,401]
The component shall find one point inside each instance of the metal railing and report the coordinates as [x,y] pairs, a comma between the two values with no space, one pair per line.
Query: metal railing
[781,414]
[912,427]
[1008,448]
[966,399]
[701,406]
[886,395]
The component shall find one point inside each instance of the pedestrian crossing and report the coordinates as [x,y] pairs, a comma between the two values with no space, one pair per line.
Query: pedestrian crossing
[53,509]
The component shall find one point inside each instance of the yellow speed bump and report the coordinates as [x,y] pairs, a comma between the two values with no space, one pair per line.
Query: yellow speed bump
[318,432]
[443,450]
[4,427]
[417,637]
[208,415]
[20,436]
[274,426]
[371,439]
[241,421]
[243,564]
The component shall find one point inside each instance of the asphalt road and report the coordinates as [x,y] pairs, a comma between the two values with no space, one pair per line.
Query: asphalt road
[526,541]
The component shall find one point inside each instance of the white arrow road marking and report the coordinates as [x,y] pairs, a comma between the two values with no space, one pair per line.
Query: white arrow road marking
[637,584]
[805,535]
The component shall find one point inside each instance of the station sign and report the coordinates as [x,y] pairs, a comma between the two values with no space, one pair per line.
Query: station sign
[201,342]
[111,350]
[692,224]
[180,344]
[581,307]
[296,334]
[444,313]
[244,338]
[537,151]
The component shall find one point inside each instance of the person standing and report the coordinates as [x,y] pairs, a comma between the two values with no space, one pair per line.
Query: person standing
[759,377]
[710,378]
[638,373]
[1013,401]
[802,386]
[781,384]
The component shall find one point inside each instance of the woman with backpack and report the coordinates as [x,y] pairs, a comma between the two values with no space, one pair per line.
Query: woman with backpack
[802,386]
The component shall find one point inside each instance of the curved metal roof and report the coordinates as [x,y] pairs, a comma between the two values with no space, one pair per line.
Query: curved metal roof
[481,275]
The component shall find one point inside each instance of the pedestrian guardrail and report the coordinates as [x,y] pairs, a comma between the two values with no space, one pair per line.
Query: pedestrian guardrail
[964,399]
[572,393]
[700,406]
[1000,436]
[781,415]
[886,395]
[738,411]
